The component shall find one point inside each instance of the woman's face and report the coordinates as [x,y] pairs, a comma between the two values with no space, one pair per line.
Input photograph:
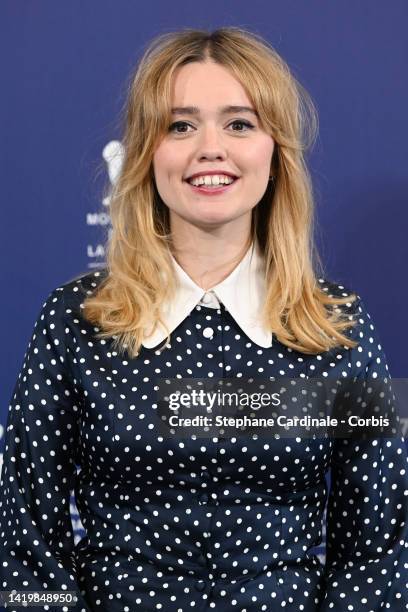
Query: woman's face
[211,139]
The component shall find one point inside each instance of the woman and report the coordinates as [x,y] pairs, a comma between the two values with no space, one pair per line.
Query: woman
[211,273]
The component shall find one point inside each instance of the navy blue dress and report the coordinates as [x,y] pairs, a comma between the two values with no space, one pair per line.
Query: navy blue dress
[196,523]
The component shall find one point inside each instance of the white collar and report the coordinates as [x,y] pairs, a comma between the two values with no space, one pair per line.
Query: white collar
[242,293]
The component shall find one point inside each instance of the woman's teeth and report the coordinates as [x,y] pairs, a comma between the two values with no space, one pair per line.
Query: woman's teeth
[211,180]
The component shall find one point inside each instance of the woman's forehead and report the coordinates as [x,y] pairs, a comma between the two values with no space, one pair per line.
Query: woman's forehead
[196,82]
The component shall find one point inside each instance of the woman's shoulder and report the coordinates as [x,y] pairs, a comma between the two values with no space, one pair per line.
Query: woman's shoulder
[68,296]
[364,330]
[337,289]
[75,290]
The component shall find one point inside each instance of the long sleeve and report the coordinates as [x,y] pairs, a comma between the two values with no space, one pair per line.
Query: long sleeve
[37,546]
[367,513]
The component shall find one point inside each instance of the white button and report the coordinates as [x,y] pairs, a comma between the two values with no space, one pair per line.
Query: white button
[208,332]
[206,299]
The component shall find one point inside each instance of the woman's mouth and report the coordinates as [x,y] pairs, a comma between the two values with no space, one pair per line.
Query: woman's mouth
[211,189]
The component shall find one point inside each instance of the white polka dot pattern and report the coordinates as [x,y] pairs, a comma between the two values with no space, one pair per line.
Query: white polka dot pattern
[194,523]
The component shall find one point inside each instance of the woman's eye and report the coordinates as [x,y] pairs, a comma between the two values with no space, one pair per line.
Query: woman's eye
[175,127]
[177,124]
[241,122]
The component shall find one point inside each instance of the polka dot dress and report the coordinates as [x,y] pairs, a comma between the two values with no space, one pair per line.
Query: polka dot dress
[193,523]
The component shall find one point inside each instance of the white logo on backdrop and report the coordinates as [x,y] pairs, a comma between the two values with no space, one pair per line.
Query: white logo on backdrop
[112,153]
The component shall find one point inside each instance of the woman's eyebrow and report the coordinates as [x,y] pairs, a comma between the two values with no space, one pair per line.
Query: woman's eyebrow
[224,110]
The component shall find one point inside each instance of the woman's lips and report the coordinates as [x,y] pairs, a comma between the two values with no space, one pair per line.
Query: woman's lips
[206,190]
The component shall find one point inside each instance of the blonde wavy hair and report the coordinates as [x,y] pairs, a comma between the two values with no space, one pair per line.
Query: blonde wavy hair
[139,273]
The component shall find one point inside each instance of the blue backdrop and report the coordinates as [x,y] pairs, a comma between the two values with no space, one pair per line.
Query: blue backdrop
[65,67]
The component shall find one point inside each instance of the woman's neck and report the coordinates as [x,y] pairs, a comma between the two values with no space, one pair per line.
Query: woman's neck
[206,257]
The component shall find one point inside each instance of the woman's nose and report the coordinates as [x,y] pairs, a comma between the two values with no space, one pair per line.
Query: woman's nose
[211,143]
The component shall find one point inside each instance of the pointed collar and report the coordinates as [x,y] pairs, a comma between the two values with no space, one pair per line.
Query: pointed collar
[242,292]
